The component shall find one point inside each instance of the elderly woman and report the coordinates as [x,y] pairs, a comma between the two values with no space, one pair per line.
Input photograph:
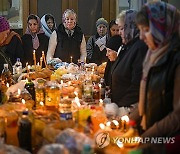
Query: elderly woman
[159,103]
[48,24]
[94,53]
[34,39]
[127,69]
[68,40]
[10,45]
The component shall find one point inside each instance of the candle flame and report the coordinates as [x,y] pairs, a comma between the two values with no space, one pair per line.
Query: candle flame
[76,99]
[41,103]
[125,118]
[102,126]
[19,91]
[108,123]
[29,67]
[7,85]
[76,93]
[116,122]
[23,101]
[101,101]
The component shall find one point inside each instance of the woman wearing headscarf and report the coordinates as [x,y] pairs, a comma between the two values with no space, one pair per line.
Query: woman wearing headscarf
[34,39]
[68,41]
[48,24]
[112,47]
[127,69]
[95,52]
[10,45]
[159,103]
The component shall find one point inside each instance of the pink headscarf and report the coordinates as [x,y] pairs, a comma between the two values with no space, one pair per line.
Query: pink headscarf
[35,39]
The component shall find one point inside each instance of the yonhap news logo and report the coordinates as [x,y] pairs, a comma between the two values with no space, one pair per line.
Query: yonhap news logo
[103,139]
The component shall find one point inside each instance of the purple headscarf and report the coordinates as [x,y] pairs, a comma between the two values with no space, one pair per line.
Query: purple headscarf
[35,39]
[4,24]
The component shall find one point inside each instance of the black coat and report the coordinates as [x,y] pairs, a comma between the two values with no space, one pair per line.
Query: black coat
[68,46]
[28,47]
[126,73]
[12,51]
[94,55]
[160,91]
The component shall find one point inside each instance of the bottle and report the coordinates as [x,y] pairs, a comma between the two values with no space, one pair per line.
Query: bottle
[31,89]
[102,88]
[65,109]
[25,132]
[87,91]
[6,75]
[87,149]
[17,68]
[65,113]
[96,92]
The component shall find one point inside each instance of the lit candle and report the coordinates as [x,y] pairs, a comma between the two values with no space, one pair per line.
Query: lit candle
[41,60]
[44,58]
[34,58]
[100,102]
[125,120]
[116,123]
[19,91]
[102,126]
[76,100]
[23,101]
[85,60]
[42,105]
[28,70]
[7,85]
[71,59]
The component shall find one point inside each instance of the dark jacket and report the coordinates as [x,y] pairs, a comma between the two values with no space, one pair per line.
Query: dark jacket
[126,73]
[12,51]
[162,94]
[94,55]
[68,46]
[28,47]
[114,44]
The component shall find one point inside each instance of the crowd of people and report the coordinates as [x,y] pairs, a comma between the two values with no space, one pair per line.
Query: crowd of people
[142,52]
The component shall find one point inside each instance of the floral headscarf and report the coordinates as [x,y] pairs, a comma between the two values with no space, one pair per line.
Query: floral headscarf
[130,29]
[35,39]
[162,21]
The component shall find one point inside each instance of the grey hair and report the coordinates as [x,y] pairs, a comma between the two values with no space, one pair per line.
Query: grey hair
[121,17]
[68,12]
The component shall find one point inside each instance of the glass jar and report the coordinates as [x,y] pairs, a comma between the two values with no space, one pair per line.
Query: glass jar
[52,96]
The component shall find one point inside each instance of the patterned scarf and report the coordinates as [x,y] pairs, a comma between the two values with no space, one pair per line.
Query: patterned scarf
[163,22]
[35,40]
[130,29]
